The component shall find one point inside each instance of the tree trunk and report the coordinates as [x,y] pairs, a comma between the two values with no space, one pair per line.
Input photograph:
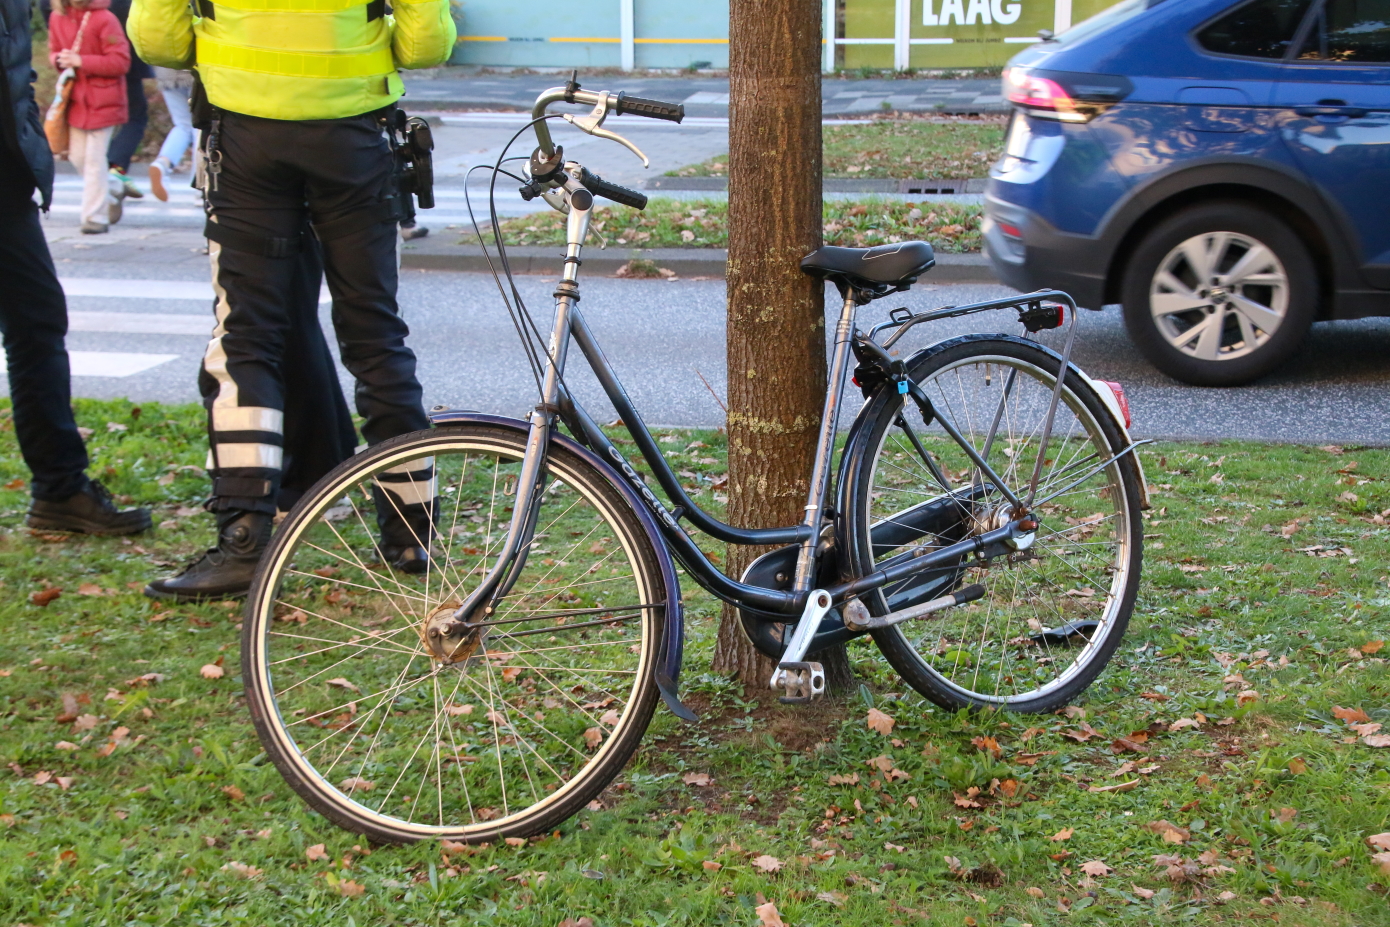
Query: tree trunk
[776,317]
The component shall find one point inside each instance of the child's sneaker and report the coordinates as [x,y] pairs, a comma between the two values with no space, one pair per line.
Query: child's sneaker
[128,187]
[158,168]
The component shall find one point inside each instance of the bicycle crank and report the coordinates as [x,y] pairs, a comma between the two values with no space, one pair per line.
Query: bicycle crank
[803,681]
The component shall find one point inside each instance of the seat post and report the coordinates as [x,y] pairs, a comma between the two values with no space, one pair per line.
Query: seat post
[825,446]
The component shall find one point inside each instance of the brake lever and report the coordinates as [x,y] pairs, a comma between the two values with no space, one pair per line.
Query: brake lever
[592,124]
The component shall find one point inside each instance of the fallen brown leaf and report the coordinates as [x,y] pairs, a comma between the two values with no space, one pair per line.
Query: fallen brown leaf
[315,853]
[767,863]
[212,671]
[987,745]
[851,779]
[1063,834]
[1372,647]
[1097,868]
[882,762]
[350,889]
[878,721]
[1170,832]
[44,596]
[699,779]
[768,916]
[242,870]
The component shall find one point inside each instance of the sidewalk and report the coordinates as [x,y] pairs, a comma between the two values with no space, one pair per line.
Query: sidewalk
[455,88]
[184,249]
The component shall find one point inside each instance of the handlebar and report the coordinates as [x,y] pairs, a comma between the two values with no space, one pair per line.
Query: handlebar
[652,109]
[618,194]
[620,103]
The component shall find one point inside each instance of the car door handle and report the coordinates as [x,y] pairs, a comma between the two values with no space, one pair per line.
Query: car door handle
[1351,112]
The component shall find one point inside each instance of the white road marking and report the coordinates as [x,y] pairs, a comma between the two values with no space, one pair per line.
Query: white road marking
[136,289]
[142,323]
[111,288]
[114,363]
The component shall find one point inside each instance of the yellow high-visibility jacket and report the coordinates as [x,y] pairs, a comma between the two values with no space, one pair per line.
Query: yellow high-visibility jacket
[295,59]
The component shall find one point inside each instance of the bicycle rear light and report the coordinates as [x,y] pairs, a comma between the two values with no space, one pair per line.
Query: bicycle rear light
[1118,392]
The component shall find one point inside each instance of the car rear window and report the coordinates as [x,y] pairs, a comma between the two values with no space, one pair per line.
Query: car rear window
[1262,29]
[1104,20]
[1354,31]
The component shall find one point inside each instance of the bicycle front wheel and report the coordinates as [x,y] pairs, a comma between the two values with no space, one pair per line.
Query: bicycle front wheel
[508,739]
[1051,615]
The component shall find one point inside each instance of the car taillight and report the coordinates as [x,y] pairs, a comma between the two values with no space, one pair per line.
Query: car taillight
[1042,96]
[1119,392]
[1011,231]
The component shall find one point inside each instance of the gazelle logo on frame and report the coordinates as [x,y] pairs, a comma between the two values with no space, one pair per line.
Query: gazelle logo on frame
[983,12]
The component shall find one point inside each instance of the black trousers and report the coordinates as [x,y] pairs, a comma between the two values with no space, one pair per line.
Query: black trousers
[34,320]
[319,433]
[336,174]
[127,137]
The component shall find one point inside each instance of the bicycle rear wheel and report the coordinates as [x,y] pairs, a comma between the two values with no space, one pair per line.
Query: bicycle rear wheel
[1052,615]
[508,740]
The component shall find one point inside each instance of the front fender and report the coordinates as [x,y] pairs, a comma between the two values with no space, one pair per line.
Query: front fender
[673,639]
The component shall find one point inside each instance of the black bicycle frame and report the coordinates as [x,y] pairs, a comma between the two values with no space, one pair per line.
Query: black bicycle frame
[773,604]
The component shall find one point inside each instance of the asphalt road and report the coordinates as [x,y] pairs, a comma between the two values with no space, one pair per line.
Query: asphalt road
[450,88]
[139,331]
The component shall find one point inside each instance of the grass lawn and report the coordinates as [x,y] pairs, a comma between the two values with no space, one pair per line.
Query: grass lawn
[901,147]
[1213,772]
[671,223]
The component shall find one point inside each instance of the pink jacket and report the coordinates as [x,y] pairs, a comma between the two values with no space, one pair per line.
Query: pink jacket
[99,95]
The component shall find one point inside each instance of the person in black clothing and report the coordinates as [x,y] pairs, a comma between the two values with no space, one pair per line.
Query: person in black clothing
[127,138]
[34,315]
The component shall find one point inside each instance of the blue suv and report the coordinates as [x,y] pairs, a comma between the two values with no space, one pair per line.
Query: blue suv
[1222,170]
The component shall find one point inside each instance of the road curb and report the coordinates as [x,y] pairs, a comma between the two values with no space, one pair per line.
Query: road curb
[685,262]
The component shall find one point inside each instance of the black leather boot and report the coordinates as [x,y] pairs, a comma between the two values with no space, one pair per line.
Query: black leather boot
[225,571]
[406,532]
[90,511]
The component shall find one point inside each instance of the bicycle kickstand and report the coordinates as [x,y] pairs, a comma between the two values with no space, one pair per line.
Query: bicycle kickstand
[803,681]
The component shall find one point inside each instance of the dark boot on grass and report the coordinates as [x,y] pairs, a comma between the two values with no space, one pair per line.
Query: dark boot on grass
[406,532]
[90,511]
[225,571]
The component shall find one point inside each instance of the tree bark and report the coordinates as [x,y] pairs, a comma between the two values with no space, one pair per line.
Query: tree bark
[776,316]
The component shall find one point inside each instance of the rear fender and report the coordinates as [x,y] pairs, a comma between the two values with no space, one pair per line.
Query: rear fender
[1107,397]
[673,639]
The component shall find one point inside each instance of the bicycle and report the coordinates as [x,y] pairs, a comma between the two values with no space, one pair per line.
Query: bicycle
[984,531]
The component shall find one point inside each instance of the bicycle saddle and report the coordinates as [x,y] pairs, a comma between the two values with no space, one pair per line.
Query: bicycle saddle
[878,271]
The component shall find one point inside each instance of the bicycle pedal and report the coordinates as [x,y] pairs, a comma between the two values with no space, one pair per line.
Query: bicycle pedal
[802,682]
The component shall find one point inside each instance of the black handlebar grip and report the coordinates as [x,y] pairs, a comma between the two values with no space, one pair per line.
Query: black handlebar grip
[652,109]
[618,194]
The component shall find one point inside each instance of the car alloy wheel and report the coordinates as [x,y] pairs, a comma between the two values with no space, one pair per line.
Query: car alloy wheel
[1219,296]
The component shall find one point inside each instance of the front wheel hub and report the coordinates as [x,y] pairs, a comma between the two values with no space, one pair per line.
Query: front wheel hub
[448,639]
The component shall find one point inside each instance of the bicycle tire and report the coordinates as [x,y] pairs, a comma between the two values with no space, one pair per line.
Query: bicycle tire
[280,700]
[939,675]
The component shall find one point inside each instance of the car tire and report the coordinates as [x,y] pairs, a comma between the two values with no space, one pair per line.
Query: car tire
[1220,294]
